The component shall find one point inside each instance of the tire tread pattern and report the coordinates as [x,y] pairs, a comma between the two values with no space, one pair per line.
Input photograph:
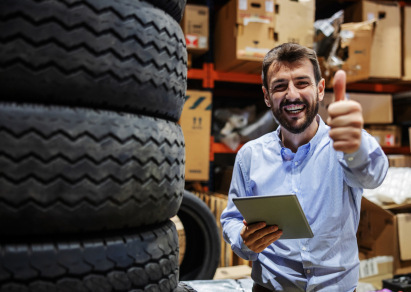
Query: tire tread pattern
[75,170]
[125,55]
[145,259]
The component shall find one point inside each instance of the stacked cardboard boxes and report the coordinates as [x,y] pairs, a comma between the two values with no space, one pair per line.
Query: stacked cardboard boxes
[386,135]
[247,29]
[376,108]
[385,232]
[386,50]
[244,34]
[294,22]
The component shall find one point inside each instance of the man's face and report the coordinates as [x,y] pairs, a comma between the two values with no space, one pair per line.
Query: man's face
[293,94]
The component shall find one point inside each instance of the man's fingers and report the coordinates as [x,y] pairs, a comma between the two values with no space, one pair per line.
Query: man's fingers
[339,85]
[250,229]
[345,133]
[267,240]
[252,236]
[353,119]
[343,108]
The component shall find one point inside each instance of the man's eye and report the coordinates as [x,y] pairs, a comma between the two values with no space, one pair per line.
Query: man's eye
[280,87]
[302,83]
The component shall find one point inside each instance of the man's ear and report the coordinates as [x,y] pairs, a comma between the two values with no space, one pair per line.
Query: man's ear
[266,97]
[321,89]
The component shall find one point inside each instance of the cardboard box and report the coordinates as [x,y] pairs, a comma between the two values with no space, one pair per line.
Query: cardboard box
[356,39]
[195,25]
[404,235]
[386,43]
[195,122]
[378,233]
[399,160]
[372,267]
[376,281]
[244,34]
[407,43]
[402,260]
[386,135]
[376,108]
[353,53]
[300,29]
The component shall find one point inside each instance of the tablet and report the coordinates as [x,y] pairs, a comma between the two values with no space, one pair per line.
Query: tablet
[284,211]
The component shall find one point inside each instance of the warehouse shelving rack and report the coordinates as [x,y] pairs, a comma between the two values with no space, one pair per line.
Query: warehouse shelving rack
[208,76]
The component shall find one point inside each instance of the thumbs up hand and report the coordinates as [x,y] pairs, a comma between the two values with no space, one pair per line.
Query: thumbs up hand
[345,118]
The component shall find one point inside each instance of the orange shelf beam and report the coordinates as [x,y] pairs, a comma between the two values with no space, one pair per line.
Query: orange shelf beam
[209,76]
[397,150]
[234,77]
[221,148]
[379,87]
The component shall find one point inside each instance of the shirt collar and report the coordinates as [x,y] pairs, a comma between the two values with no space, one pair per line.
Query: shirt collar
[303,150]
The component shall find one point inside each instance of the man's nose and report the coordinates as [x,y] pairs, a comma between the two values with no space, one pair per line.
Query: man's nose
[292,91]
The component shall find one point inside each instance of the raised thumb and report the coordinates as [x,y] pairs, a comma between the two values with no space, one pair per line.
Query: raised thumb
[339,85]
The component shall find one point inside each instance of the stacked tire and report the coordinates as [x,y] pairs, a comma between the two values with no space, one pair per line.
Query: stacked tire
[91,156]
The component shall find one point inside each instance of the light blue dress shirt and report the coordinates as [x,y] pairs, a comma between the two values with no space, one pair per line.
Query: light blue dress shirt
[329,186]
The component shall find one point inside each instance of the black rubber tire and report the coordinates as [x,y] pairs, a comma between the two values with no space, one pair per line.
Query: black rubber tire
[78,170]
[146,259]
[124,55]
[173,7]
[203,245]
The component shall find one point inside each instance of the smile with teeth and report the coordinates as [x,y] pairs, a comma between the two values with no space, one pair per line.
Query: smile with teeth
[294,108]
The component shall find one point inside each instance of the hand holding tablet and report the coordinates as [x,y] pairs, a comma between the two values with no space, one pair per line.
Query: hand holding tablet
[283,211]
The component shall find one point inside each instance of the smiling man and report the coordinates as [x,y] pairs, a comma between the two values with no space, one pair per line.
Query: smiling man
[326,166]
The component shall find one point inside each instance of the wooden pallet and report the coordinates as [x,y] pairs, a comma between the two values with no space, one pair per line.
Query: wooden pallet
[217,203]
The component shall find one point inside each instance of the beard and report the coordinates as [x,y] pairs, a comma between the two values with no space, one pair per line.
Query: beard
[310,109]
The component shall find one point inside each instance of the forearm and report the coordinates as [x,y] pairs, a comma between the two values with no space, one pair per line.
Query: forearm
[231,234]
[367,167]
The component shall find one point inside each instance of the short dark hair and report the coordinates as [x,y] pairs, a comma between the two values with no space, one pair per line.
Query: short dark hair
[290,52]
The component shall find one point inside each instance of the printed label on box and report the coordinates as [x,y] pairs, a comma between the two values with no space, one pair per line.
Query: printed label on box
[389,140]
[242,5]
[255,52]
[256,18]
[202,42]
[269,6]
[192,41]
[368,268]
[370,16]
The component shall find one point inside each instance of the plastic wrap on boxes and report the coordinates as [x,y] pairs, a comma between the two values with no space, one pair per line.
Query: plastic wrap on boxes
[234,126]
[396,187]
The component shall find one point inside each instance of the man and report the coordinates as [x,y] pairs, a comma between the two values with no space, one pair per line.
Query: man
[327,167]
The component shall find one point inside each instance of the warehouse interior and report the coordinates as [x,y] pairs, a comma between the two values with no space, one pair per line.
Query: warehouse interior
[121,122]
[229,84]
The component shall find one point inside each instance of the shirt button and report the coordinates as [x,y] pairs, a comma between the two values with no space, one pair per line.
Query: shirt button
[296,163]
[304,249]
[308,271]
